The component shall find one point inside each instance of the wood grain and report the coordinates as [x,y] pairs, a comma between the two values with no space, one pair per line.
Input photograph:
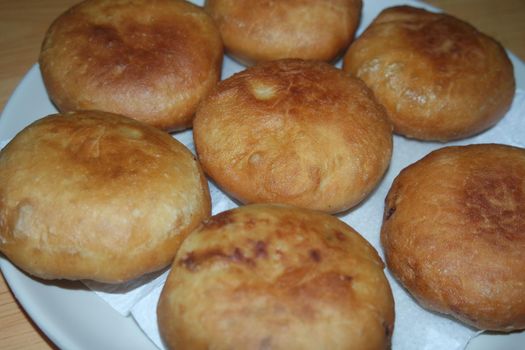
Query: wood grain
[503,20]
[23,24]
[17,331]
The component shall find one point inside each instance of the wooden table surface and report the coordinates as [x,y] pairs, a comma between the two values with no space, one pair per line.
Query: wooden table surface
[24,22]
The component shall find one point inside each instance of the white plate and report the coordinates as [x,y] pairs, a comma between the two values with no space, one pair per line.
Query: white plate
[74,317]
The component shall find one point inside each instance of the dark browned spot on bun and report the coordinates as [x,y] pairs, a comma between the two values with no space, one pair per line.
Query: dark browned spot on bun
[388,328]
[445,40]
[128,49]
[194,259]
[103,35]
[104,151]
[238,256]
[315,255]
[389,212]
[188,262]
[219,220]
[495,204]
[346,278]
[339,235]
[260,249]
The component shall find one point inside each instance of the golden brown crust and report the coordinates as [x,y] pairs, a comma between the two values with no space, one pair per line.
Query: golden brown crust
[295,132]
[437,76]
[149,60]
[263,276]
[454,234]
[92,195]
[255,31]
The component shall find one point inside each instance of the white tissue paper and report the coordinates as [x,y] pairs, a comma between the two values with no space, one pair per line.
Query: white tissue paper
[415,327]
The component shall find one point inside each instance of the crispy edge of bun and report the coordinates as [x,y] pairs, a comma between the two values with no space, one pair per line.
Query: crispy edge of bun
[294,132]
[149,60]
[266,275]
[267,30]
[93,195]
[437,76]
[454,234]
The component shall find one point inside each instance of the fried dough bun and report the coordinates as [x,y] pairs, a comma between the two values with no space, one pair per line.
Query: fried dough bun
[151,60]
[267,276]
[294,132]
[454,234]
[437,76]
[98,196]
[263,30]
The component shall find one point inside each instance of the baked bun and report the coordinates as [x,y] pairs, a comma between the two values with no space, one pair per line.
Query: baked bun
[276,277]
[437,76]
[294,132]
[151,60]
[264,30]
[93,195]
[454,234]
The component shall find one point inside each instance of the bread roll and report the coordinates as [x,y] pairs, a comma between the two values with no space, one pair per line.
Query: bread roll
[92,195]
[264,30]
[151,60]
[294,132]
[437,76]
[276,277]
[454,234]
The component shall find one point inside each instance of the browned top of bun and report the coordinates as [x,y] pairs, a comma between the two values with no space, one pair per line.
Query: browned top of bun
[296,132]
[454,233]
[151,60]
[92,195]
[437,76]
[263,276]
[265,30]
